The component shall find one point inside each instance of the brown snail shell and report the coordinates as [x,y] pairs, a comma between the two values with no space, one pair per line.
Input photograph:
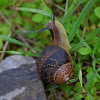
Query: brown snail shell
[55,65]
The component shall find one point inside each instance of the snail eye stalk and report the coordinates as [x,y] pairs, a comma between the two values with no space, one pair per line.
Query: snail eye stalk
[54,17]
[42,29]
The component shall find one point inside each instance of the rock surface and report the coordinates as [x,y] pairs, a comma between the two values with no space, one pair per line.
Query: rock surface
[19,79]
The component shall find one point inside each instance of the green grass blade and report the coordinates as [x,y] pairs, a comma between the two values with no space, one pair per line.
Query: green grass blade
[94,33]
[80,76]
[61,8]
[96,45]
[12,52]
[94,63]
[46,6]
[80,44]
[80,18]
[88,85]
[84,43]
[70,11]
[34,11]
[97,72]
[66,7]
[77,46]
[89,95]
[17,42]
[21,53]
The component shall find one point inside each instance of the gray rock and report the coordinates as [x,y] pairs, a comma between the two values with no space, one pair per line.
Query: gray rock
[19,79]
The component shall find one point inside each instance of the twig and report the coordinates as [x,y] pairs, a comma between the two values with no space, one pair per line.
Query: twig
[85,25]
[5,19]
[21,28]
[84,90]
[24,40]
[98,92]
[90,64]
[10,33]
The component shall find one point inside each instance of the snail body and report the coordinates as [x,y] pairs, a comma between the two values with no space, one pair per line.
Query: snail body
[55,62]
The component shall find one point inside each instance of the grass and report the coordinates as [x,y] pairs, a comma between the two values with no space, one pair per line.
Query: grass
[85,83]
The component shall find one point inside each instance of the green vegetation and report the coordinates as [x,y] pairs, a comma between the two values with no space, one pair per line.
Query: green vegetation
[20,21]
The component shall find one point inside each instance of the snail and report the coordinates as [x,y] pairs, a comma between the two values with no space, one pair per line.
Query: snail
[55,63]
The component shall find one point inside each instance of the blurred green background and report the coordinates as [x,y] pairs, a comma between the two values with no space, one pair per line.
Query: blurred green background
[21,19]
